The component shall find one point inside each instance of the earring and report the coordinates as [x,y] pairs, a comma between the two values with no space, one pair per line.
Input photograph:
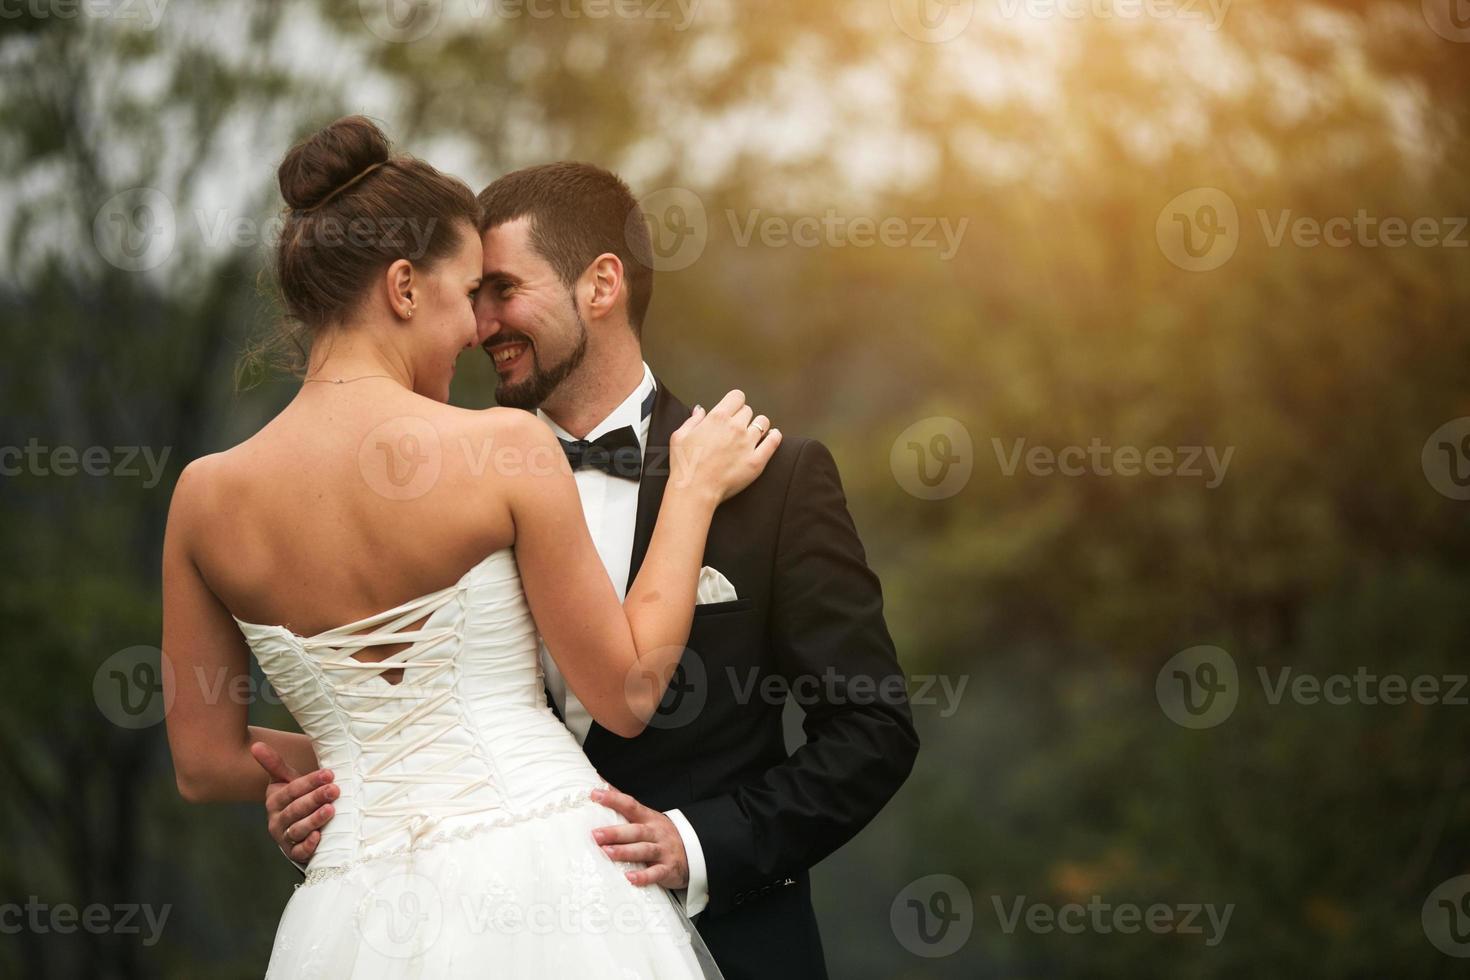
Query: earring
[409,314]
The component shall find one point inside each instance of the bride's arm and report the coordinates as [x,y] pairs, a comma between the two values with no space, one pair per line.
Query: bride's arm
[206,661]
[618,658]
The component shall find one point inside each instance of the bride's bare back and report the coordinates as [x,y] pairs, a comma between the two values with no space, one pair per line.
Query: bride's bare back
[356,498]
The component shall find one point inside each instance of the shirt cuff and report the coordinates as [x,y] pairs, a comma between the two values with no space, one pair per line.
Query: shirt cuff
[697,895]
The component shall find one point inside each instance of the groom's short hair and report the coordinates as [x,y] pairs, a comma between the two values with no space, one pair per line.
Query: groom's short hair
[578,211]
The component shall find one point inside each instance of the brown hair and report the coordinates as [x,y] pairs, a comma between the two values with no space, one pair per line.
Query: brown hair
[578,211]
[354,208]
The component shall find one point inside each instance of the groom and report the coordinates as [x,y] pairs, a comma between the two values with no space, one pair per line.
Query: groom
[723,816]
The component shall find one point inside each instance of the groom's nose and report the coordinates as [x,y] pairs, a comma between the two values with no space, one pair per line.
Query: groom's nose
[486,325]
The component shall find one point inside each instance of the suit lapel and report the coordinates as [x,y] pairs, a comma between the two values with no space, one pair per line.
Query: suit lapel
[668,414]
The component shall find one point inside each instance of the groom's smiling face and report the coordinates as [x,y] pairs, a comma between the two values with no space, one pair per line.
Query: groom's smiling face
[527,318]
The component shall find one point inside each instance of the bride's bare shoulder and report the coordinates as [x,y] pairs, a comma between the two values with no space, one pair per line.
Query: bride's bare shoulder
[508,426]
[508,443]
[206,473]
[197,493]
[214,479]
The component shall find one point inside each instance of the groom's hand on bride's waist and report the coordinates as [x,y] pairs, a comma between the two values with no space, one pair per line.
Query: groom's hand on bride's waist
[649,836]
[297,807]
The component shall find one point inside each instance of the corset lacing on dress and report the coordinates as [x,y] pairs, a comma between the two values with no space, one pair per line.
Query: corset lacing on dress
[462,776]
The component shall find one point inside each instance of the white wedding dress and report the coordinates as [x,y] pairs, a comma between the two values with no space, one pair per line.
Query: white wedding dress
[462,840]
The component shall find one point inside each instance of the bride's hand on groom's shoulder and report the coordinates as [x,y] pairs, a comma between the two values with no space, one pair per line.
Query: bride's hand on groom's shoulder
[297,806]
[723,450]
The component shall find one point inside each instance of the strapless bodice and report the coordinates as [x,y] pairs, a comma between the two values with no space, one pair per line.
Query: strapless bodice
[462,743]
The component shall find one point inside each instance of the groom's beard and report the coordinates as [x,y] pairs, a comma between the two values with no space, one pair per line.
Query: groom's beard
[529,394]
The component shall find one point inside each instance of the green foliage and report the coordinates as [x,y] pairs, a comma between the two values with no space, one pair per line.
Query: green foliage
[1058,321]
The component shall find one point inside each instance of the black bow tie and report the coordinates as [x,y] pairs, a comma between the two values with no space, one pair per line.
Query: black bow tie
[616,453]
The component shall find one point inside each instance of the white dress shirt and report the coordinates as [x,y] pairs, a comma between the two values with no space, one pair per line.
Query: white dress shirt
[610,505]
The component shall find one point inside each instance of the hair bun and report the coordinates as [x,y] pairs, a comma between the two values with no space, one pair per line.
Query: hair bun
[327,160]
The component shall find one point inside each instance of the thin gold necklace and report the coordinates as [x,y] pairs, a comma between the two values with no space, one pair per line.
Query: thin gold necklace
[345,381]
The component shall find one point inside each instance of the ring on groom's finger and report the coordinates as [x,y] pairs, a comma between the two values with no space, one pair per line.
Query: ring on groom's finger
[757,428]
[291,840]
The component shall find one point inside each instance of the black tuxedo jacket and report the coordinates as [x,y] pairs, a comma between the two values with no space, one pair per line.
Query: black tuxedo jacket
[808,624]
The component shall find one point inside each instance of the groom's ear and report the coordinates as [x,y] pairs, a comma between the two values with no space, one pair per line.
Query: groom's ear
[602,287]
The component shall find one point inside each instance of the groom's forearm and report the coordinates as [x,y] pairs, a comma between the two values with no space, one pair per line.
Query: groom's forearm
[826,622]
[758,836]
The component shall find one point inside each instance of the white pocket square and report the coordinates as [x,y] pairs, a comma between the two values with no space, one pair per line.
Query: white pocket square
[713,587]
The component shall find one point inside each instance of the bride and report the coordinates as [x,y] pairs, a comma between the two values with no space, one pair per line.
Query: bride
[389,560]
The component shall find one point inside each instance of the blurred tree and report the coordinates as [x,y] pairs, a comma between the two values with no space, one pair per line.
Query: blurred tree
[1058,320]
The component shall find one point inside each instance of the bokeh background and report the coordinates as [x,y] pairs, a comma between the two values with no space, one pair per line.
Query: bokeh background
[1130,191]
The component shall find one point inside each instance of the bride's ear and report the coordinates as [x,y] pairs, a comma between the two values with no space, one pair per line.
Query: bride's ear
[400,282]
